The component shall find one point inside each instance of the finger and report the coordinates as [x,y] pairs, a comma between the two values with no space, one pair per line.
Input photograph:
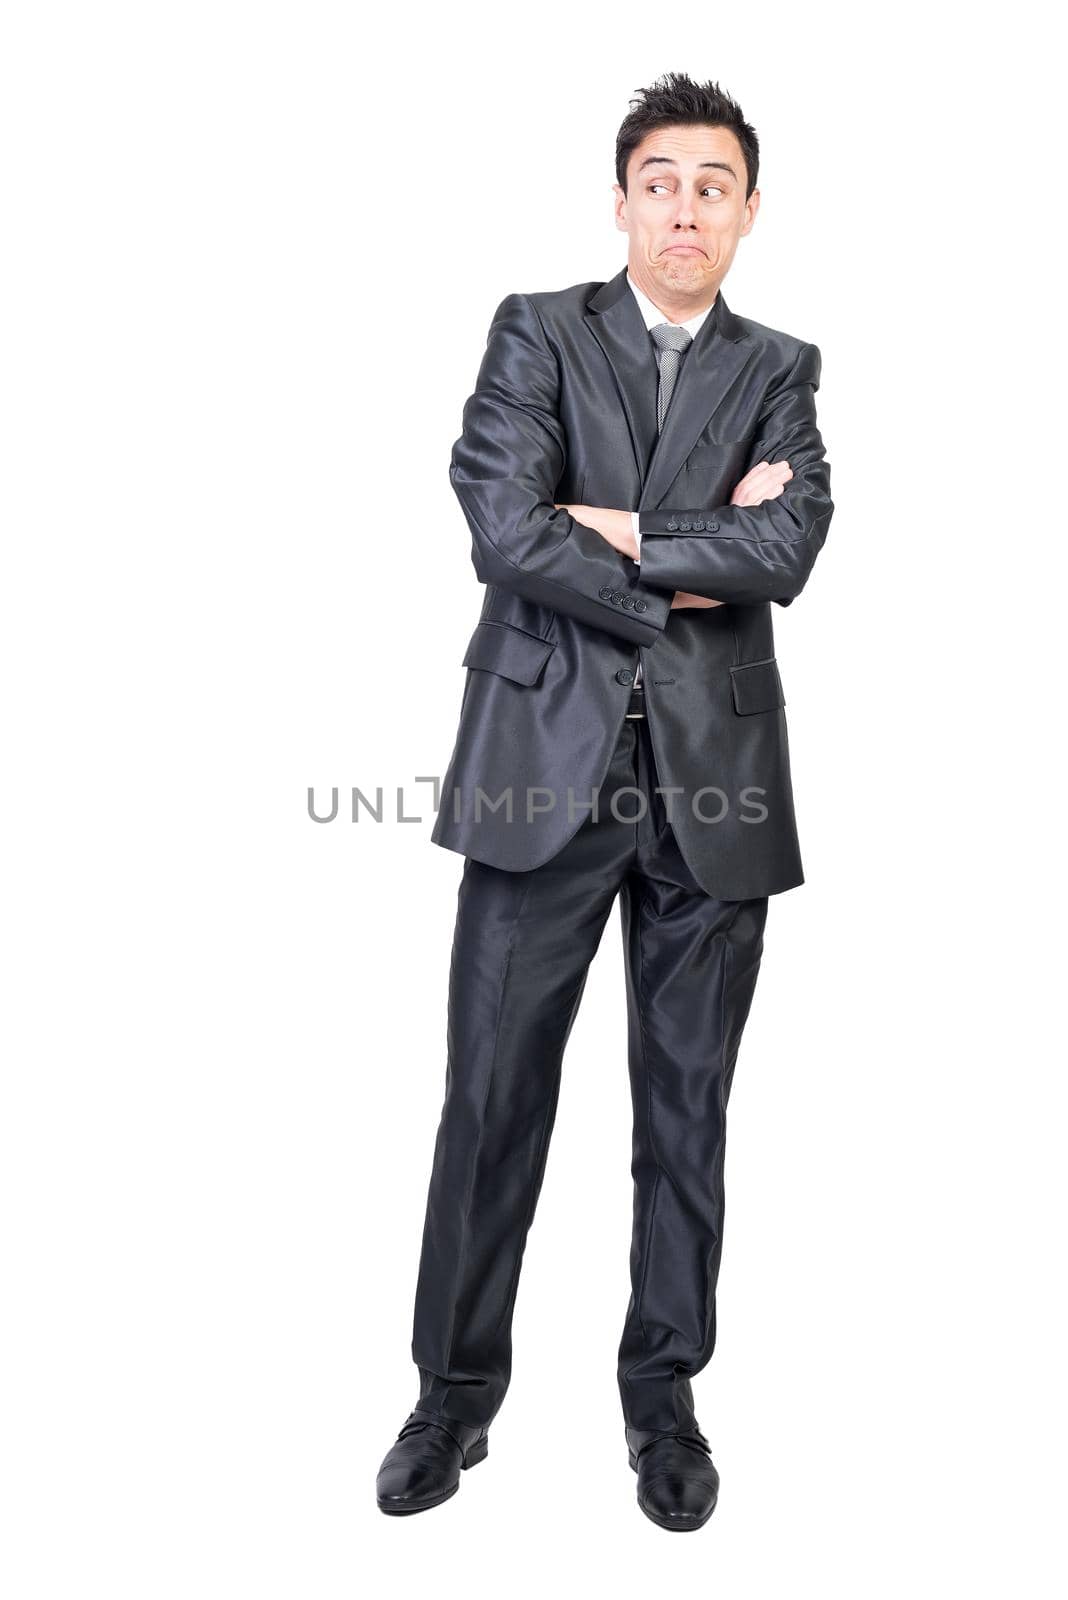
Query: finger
[766,482]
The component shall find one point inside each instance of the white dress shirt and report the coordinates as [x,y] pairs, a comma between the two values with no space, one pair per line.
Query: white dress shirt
[653,316]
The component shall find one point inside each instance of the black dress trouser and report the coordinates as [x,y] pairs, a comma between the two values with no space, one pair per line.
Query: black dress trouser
[522,948]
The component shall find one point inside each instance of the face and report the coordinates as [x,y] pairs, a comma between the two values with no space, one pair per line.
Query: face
[684,211]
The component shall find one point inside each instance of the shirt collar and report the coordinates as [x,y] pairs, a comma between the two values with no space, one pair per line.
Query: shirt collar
[654,316]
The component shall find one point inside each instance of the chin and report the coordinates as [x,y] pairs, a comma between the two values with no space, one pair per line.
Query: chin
[685,272]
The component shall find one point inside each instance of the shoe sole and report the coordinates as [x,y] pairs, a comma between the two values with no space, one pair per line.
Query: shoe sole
[673,1524]
[397,1508]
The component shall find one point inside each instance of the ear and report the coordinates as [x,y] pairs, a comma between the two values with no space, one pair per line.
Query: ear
[620,208]
[752,206]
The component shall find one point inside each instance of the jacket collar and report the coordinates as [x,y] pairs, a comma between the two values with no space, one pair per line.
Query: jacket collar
[712,363]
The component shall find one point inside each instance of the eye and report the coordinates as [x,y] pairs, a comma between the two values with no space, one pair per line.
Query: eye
[712,189]
[654,186]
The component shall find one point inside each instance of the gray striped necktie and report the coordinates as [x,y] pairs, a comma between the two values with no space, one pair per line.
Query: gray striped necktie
[670,341]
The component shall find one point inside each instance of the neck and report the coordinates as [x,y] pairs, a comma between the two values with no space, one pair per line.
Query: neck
[675,308]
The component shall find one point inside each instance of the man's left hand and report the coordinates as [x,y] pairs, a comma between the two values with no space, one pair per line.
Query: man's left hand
[615,526]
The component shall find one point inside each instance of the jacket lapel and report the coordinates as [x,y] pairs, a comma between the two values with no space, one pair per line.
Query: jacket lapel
[711,365]
[616,323]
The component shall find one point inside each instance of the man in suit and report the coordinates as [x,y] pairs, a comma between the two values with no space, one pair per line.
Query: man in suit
[642,476]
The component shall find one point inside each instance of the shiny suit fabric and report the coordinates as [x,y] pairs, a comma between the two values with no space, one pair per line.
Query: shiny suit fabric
[547,767]
[564,410]
[522,947]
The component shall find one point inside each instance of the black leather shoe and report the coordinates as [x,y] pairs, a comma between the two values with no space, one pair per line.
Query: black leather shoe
[677,1483]
[423,1467]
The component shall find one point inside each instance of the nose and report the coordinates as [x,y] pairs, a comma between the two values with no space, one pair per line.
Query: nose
[685,217]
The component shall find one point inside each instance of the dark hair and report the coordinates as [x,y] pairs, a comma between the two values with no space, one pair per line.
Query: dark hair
[675,99]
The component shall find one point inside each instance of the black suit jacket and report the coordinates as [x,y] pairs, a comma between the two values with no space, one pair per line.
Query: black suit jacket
[564,409]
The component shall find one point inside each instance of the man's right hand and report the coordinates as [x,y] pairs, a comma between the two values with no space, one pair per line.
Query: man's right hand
[765,481]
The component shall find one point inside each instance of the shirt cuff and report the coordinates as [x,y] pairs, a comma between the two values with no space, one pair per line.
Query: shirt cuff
[637,535]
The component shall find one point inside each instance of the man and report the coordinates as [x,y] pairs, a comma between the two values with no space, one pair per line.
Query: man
[642,475]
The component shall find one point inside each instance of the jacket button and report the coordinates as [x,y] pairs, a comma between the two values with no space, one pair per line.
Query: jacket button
[672,526]
[713,527]
[684,527]
[641,605]
[624,675]
[625,601]
[605,593]
[698,527]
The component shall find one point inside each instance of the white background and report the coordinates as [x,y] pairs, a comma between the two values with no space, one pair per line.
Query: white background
[252,254]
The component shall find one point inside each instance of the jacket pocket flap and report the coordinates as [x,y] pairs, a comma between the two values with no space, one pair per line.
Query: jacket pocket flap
[498,647]
[756,686]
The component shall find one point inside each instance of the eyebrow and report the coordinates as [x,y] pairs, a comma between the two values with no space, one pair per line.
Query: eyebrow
[667,161]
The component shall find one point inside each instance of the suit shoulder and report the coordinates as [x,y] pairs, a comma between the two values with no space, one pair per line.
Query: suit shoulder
[551,306]
[782,354]
[561,305]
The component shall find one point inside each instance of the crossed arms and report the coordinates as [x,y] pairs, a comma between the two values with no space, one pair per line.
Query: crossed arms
[511,455]
[765,481]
